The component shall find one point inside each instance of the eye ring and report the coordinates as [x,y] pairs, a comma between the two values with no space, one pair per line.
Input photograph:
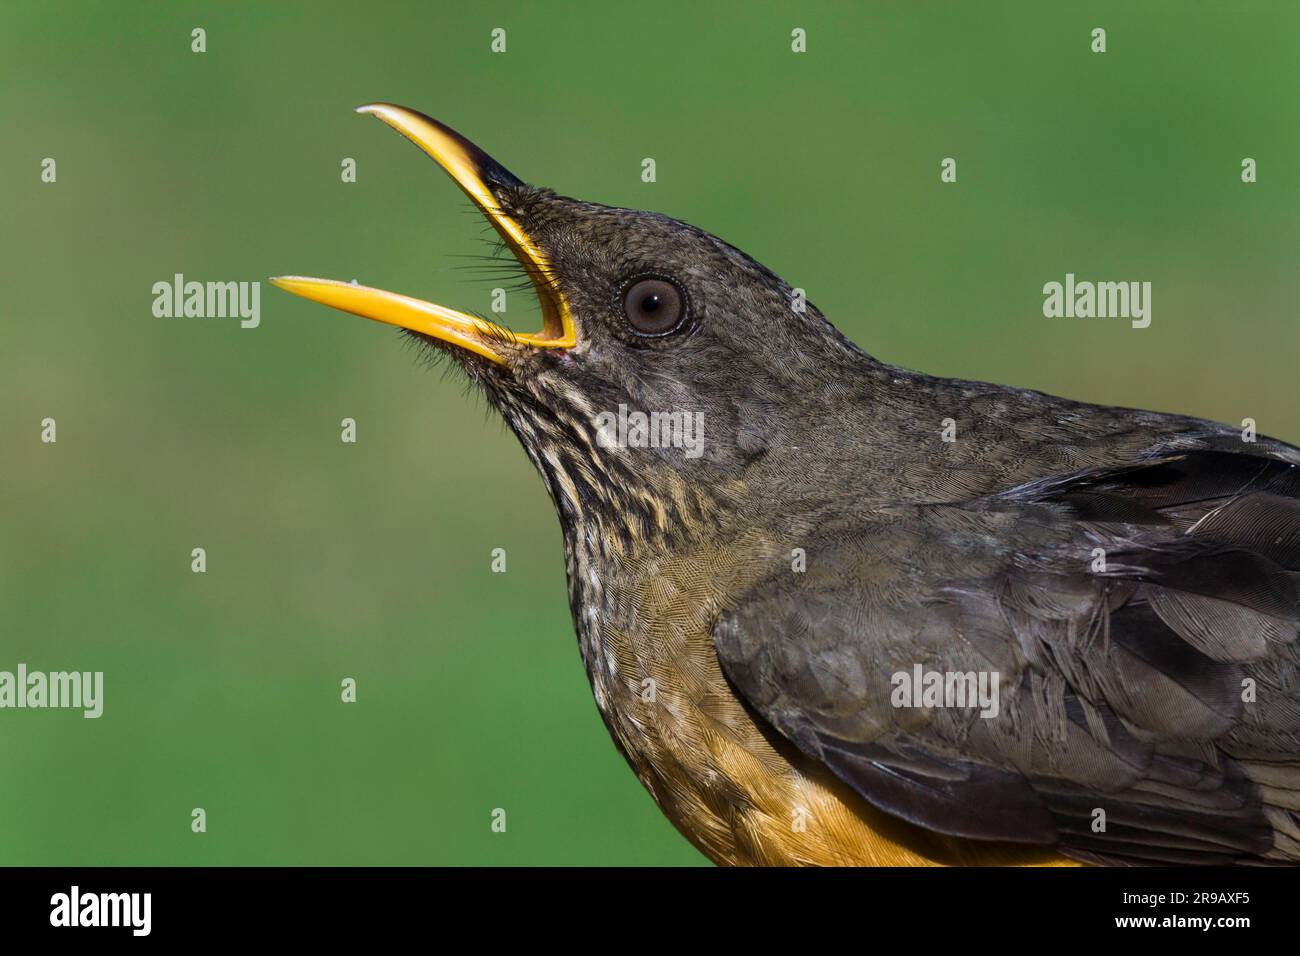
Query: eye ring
[653,305]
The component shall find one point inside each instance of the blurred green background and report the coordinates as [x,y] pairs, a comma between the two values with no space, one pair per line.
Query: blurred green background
[372,560]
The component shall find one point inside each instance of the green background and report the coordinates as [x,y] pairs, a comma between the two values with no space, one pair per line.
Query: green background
[328,560]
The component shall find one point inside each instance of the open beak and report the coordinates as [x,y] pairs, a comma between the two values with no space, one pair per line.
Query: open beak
[477,174]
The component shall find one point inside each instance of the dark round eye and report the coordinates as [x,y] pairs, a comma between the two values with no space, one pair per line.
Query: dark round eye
[654,306]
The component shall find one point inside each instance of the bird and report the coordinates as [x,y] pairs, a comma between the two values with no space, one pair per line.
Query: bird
[837,612]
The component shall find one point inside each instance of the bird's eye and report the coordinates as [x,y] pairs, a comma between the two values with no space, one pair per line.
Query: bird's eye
[654,306]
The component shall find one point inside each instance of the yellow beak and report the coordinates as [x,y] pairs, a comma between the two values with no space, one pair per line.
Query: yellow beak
[473,171]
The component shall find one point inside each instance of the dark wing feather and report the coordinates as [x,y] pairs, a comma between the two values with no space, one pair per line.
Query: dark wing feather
[1157,686]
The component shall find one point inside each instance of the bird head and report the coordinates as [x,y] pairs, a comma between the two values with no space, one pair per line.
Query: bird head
[667,362]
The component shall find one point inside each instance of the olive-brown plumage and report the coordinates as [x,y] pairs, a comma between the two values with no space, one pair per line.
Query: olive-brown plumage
[1129,580]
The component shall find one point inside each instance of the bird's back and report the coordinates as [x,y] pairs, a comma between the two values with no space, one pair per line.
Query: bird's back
[751,688]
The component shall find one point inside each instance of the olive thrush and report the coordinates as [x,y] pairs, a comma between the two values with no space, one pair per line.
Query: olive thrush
[825,628]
